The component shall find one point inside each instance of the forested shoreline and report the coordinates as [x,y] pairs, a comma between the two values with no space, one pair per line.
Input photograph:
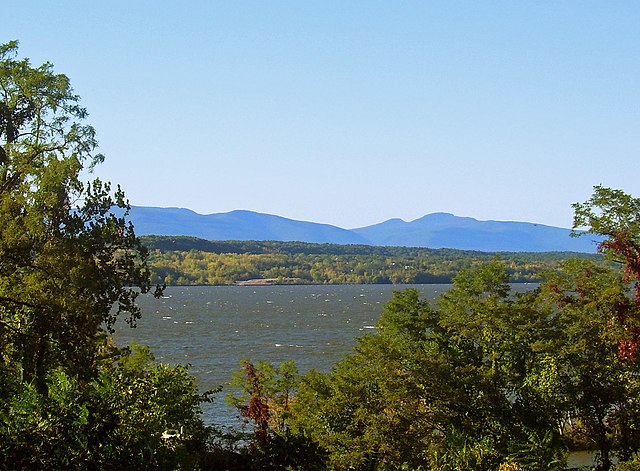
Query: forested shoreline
[181,260]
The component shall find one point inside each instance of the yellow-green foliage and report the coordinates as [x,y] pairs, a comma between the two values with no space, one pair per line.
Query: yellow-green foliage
[188,261]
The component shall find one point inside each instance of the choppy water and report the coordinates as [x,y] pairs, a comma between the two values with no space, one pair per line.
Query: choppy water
[213,327]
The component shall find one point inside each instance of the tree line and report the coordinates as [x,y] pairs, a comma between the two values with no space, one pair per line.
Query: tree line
[192,261]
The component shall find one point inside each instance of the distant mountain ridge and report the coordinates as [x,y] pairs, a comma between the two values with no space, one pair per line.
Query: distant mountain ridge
[444,230]
[437,230]
[236,225]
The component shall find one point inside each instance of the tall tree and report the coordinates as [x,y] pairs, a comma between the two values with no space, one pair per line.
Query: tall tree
[69,267]
[595,385]
[446,386]
[65,258]
[616,216]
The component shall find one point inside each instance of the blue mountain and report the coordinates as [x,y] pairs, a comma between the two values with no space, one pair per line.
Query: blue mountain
[444,230]
[438,230]
[236,225]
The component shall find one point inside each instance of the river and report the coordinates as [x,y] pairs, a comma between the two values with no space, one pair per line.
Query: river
[213,327]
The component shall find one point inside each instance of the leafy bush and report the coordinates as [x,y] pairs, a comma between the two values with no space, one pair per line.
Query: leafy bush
[136,415]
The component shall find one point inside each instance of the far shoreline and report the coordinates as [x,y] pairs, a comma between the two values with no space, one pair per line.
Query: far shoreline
[265,282]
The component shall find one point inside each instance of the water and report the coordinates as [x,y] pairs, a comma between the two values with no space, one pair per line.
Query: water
[213,327]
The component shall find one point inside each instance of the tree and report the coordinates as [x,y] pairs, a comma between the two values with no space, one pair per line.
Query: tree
[598,388]
[65,257]
[264,399]
[446,386]
[136,414]
[265,396]
[69,268]
[616,216]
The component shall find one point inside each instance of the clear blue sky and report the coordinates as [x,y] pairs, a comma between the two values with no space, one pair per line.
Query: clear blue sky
[352,112]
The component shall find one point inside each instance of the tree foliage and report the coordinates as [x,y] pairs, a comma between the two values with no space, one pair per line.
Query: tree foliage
[191,261]
[616,215]
[66,259]
[594,382]
[483,379]
[264,398]
[69,268]
[136,414]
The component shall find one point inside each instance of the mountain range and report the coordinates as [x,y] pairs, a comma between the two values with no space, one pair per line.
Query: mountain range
[437,230]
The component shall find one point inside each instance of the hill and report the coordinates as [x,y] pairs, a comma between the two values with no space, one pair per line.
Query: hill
[236,225]
[438,230]
[443,230]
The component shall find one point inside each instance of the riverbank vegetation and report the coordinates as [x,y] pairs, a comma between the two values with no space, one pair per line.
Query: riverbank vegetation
[192,261]
[484,379]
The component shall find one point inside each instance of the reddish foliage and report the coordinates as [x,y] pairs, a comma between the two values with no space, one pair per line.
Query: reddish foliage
[257,409]
[580,287]
[561,300]
[554,288]
[627,347]
[622,246]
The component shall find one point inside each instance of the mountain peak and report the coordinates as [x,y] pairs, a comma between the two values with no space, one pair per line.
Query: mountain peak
[435,230]
[438,217]
[236,225]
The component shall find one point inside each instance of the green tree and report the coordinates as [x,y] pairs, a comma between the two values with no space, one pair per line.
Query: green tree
[69,268]
[490,340]
[136,414]
[596,385]
[615,215]
[65,257]
[264,398]
[444,387]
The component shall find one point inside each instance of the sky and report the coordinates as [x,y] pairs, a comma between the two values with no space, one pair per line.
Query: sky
[351,112]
